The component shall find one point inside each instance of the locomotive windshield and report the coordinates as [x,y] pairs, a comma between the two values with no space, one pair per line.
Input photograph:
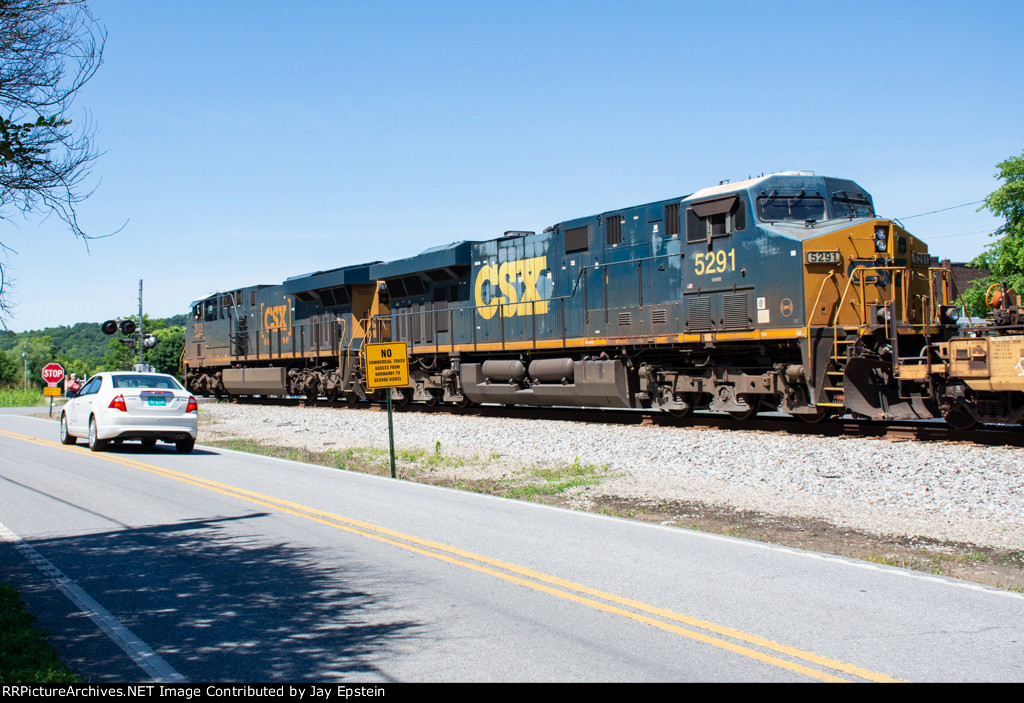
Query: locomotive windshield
[851,205]
[775,207]
[782,208]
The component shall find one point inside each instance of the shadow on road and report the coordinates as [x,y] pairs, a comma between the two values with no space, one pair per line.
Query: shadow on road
[221,604]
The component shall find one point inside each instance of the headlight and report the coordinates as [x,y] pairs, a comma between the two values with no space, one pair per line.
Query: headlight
[881,237]
[949,315]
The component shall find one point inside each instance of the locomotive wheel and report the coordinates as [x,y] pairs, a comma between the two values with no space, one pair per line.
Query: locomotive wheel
[432,399]
[463,403]
[960,419]
[753,405]
[399,399]
[678,412]
[814,418]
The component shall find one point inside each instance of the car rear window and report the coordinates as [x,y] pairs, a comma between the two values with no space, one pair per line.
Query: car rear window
[145,381]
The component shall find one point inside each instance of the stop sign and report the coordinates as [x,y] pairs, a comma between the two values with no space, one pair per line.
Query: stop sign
[53,374]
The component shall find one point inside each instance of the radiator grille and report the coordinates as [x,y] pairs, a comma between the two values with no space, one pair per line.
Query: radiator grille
[698,313]
[671,219]
[735,313]
[614,224]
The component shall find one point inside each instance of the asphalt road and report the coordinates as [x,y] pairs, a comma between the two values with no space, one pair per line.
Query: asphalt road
[220,566]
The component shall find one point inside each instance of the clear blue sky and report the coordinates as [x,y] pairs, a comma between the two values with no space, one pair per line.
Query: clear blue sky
[246,142]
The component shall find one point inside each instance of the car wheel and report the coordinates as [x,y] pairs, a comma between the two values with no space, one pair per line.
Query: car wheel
[95,444]
[184,446]
[65,436]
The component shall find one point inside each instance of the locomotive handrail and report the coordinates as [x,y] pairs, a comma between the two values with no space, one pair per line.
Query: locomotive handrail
[810,345]
[858,272]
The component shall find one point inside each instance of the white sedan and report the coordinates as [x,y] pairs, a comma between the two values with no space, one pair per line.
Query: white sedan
[120,405]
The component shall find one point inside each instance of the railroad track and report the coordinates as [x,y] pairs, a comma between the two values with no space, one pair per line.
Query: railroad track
[922,430]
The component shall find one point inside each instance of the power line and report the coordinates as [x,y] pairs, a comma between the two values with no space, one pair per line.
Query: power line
[962,234]
[976,202]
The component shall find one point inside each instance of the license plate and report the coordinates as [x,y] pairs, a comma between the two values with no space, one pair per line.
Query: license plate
[157,401]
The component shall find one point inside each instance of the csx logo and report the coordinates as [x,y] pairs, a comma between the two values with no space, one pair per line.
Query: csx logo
[509,278]
[277,317]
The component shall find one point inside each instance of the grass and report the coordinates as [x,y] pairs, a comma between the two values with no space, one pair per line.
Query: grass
[931,561]
[25,656]
[532,483]
[363,459]
[21,398]
[528,483]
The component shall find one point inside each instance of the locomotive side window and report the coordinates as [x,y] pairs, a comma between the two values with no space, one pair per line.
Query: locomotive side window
[785,208]
[714,218]
[577,239]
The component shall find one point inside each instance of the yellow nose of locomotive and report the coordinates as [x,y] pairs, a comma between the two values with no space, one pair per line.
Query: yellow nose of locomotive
[870,273]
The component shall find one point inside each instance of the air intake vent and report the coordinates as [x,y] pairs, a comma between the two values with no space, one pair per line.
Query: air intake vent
[699,314]
[625,319]
[659,317]
[672,219]
[734,308]
[614,225]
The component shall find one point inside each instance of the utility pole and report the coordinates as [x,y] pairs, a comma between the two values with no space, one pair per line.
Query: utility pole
[140,321]
[24,356]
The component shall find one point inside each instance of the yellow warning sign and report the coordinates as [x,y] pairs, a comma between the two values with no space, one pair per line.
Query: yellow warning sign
[53,391]
[387,365]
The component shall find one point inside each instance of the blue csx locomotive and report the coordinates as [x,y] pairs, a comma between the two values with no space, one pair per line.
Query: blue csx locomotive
[782,292]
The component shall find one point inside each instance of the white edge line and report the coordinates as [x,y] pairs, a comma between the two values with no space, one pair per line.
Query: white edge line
[142,654]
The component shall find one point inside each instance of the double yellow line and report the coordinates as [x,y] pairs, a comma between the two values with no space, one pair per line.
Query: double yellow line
[727,638]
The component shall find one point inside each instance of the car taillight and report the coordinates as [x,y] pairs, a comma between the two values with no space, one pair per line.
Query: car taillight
[192,405]
[118,404]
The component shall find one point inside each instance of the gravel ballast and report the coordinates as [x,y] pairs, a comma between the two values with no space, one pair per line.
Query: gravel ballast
[941,491]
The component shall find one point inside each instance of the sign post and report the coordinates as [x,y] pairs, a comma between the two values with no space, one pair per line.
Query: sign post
[53,374]
[387,366]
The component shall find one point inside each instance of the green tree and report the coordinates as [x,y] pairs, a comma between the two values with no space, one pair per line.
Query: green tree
[40,350]
[120,356]
[165,355]
[1004,258]
[49,49]
[10,372]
